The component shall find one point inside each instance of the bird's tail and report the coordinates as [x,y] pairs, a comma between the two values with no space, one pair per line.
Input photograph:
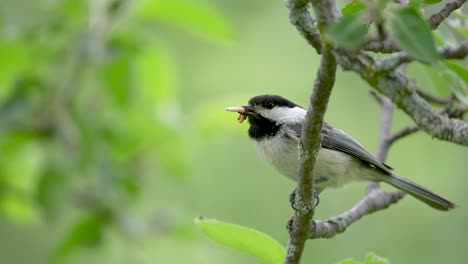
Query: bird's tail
[418,192]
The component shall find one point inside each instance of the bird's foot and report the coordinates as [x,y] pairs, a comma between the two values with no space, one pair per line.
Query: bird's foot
[289,225]
[317,199]
[292,199]
[299,205]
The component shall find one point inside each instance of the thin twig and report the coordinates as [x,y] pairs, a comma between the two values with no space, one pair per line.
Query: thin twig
[448,106]
[409,130]
[383,146]
[300,17]
[436,19]
[402,133]
[455,51]
[391,62]
[385,129]
[377,97]
[386,46]
[374,201]
[389,45]
[431,98]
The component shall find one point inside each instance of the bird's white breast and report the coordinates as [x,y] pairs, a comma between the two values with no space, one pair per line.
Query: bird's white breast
[337,167]
[281,153]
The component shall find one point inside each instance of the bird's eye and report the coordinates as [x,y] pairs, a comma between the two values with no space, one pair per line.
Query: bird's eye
[270,105]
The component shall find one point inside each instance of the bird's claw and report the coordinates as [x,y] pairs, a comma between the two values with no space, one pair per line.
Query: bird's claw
[289,225]
[295,204]
[292,199]
[317,199]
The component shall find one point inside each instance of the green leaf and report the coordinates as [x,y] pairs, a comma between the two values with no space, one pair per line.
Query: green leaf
[450,77]
[457,75]
[87,231]
[441,78]
[458,13]
[353,8]
[244,239]
[348,32]
[461,95]
[199,18]
[458,69]
[416,4]
[414,35]
[431,2]
[372,258]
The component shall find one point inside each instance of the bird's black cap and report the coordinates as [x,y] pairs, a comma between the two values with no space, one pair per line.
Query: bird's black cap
[269,101]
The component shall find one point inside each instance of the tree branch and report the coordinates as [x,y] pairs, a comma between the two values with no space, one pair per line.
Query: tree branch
[386,46]
[385,130]
[310,144]
[390,62]
[396,87]
[375,198]
[374,201]
[402,92]
[458,51]
[431,98]
[436,19]
[311,132]
[390,46]
[402,133]
[300,17]
[448,103]
[385,126]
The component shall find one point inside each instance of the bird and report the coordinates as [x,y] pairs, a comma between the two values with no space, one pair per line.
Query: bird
[275,125]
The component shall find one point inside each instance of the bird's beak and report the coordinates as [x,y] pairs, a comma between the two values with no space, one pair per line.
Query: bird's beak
[243,111]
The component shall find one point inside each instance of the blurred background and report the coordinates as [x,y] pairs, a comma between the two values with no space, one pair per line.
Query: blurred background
[113,137]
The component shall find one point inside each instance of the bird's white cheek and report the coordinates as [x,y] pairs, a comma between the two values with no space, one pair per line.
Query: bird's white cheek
[284,114]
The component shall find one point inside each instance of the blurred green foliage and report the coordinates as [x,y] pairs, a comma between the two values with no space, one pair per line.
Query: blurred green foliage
[113,136]
[90,106]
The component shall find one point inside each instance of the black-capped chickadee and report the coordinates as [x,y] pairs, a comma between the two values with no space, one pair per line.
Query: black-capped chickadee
[275,128]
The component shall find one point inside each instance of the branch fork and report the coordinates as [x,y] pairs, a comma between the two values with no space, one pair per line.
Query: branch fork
[397,89]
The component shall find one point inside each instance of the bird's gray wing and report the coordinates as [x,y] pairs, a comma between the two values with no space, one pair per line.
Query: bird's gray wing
[335,139]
